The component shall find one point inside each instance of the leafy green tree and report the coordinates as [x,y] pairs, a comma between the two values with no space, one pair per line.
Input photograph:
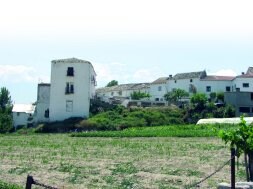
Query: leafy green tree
[112,83]
[176,95]
[220,96]
[5,100]
[139,95]
[199,100]
[242,140]
[5,110]
[212,96]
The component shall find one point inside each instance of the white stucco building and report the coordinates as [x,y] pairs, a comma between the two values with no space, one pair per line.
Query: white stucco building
[72,87]
[23,114]
[159,88]
[41,113]
[69,93]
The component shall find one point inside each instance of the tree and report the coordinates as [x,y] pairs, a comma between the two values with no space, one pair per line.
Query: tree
[112,83]
[242,140]
[139,95]
[199,101]
[220,97]
[5,110]
[5,100]
[176,95]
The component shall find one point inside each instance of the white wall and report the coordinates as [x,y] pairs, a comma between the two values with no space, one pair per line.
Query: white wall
[83,91]
[156,94]
[238,83]
[20,118]
[216,85]
[43,100]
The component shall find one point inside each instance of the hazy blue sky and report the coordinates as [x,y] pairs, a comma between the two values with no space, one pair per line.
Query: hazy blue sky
[130,41]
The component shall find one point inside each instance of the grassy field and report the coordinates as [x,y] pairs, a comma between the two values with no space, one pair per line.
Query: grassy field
[73,162]
[162,131]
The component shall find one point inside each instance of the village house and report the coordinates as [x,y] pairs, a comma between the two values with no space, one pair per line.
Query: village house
[23,114]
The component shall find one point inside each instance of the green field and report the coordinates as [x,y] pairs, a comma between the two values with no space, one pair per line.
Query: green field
[162,131]
[75,162]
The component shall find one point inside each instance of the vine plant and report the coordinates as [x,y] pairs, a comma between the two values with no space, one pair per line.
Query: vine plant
[242,139]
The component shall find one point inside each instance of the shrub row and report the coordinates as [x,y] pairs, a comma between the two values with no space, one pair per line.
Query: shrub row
[161,131]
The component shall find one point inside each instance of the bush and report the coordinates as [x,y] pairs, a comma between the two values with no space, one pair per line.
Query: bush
[121,118]
[5,123]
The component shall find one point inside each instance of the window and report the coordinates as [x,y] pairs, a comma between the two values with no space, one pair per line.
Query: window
[112,93]
[251,96]
[245,85]
[237,89]
[46,113]
[69,88]
[69,106]
[244,109]
[191,80]
[208,88]
[175,81]
[161,99]
[228,89]
[120,93]
[156,99]
[18,113]
[70,71]
[160,88]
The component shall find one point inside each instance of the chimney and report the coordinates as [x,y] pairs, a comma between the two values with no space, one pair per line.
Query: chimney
[242,73]
[170,76]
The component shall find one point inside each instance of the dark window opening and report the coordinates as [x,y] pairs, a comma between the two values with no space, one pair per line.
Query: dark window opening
[208,88]
[69,88]
[47,113]
[70,71]
[228,89]
[175,81]
[237,89]
[156,99]
[191,80]
[246,85]
[244,109]
[251,96]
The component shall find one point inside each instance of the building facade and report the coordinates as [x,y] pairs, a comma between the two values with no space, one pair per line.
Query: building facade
[72,87]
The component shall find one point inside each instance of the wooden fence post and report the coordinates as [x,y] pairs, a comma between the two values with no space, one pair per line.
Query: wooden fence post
[29,182]
[232,168]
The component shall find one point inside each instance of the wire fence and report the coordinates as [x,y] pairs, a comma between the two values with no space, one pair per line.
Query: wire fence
[30,181]
[210,175]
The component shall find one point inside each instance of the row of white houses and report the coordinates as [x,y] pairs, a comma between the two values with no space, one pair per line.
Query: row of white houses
[191,82]
[73,82]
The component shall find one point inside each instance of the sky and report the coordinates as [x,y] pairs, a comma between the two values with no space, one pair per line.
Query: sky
[130,41]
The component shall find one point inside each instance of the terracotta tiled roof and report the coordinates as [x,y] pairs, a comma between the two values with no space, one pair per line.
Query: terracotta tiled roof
[217,78]
[160,80]
[123,87]
[190,75]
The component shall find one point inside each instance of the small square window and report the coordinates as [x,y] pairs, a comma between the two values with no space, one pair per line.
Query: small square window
[191,80]
[228,89]
[208,88]
[160,88]
[245,85]
[70,71]
[156,99]
[175,81]
[69,106]
[69,88]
